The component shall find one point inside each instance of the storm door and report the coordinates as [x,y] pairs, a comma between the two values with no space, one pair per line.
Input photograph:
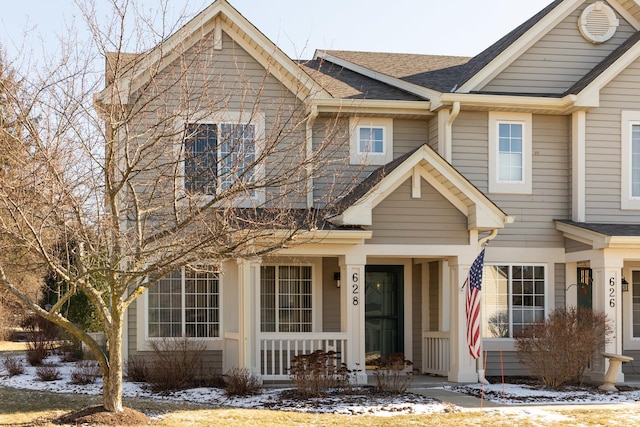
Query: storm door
[384,326]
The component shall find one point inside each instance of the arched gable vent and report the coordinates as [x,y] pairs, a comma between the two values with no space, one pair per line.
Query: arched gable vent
[598,22]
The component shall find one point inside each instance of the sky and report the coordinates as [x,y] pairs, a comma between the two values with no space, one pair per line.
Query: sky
[449,27]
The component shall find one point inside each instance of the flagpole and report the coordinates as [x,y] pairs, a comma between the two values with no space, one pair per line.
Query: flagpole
[483,243]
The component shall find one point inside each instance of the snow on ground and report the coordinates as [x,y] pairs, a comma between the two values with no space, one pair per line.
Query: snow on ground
[523,394]
[354,403]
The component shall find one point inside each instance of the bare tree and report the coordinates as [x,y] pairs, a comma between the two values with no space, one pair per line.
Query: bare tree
[130,182]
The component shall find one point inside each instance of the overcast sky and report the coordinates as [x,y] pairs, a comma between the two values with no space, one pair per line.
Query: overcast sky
[448,27]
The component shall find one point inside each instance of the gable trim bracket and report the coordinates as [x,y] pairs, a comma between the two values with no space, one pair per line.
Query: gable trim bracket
[482,214]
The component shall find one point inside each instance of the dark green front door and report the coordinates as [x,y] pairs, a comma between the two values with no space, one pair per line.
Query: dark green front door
[383,310]
[585,287]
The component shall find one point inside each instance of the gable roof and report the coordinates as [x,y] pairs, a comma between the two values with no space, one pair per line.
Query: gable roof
[220,14]
[421,163]
[343,83]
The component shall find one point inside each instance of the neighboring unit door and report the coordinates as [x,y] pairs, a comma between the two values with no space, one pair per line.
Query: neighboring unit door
[585,287]
[384,328]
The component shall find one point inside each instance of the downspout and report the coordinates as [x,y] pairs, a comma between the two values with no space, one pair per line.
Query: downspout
[448,134]
[313,114]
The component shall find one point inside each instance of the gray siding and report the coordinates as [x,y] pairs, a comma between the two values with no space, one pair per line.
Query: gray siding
[603,149]
[575,246]
[433,133]
[632,367]
[534,213]
[330,296]
[337,177]
[408,134]
[132,328]
[557,60]
[560,285]
[416,314]
[432,219]
[229,80]
[506,364]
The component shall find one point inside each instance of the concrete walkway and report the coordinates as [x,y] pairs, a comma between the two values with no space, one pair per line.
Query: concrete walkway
[431,386]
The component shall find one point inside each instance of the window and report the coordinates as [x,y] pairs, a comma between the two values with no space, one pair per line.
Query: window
[510,162]
[185,303]
[512,298]
[371,141]
[630,139]
[285,298]
[217,155]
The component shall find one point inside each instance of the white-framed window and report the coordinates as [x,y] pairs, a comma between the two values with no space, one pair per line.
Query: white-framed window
[217,155]
[220,150]
[371,141]
[513,297]
[630,160]
[185,303]
[286,300]
[510,153]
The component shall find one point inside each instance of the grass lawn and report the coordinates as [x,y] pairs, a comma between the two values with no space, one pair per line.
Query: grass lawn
[12,346]
[26,407]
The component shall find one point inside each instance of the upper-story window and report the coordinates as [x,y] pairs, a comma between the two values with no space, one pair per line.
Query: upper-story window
[371,141]
[217,155]
[630,184]
[510,162]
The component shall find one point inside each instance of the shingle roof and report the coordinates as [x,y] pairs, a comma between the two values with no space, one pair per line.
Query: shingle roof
[346,84]
[437,72]
[432,71]
[606,229]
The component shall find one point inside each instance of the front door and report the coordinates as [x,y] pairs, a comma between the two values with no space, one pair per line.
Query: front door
[585,287]
[384,326]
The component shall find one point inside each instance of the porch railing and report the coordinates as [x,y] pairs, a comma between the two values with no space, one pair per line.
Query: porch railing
[435,358]
[277,350]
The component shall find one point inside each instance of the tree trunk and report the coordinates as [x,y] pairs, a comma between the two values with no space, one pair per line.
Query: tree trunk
[112,378]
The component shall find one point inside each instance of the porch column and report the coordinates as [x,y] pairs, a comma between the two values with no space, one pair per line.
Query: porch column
[607,298]
[352,312]
[463,367]
[249,295]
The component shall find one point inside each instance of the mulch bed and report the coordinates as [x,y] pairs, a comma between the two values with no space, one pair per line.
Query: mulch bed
[97,415]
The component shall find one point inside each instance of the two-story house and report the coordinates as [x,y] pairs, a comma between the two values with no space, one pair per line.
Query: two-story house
[532,146]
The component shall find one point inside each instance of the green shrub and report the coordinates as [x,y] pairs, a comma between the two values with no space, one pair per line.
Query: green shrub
[558,350]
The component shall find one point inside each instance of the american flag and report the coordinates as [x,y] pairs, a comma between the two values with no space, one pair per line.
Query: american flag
[474,282]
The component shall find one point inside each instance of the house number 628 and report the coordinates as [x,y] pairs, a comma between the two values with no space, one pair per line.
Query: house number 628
[355,288]
[612,292]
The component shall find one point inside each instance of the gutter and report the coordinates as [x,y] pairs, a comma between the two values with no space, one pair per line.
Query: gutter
[448,133]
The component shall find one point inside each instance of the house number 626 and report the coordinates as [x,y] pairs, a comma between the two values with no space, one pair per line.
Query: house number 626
[612,292]
[355,288]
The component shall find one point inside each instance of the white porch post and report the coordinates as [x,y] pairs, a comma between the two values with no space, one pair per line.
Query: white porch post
[607,298]
[352,311]
[463,367]
[248,281]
